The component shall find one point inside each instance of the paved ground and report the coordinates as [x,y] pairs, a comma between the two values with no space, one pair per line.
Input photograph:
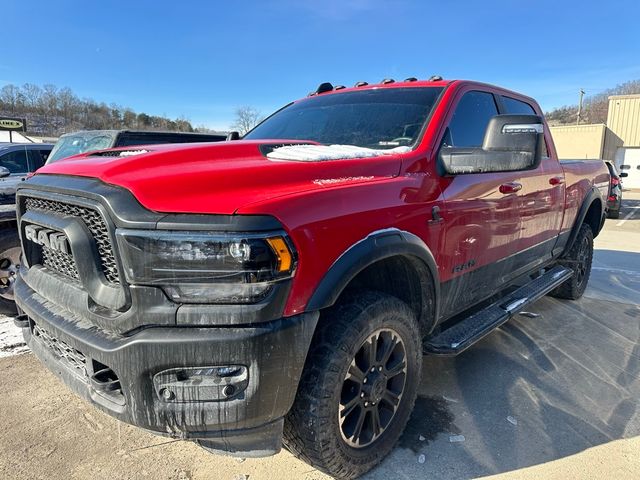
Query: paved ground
[554,396]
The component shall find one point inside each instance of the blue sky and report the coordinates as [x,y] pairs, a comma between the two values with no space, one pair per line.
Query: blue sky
[202,59]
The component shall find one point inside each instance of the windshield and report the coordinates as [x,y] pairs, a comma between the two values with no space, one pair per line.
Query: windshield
[379,118]
[80,142]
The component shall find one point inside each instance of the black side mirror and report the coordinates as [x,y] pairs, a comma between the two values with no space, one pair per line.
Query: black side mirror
[4,172]
[233,136]
[511,143]
[623,174]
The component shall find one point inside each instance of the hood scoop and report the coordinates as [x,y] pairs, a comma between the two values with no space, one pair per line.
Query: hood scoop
[120,153]
[320,153]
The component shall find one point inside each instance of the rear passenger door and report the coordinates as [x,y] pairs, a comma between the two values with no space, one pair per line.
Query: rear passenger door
[543,193]
[482,224]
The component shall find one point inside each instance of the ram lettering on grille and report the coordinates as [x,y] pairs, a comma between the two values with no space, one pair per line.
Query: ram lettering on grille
[96,225]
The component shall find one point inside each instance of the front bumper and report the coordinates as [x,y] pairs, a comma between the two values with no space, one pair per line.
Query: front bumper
[248,422]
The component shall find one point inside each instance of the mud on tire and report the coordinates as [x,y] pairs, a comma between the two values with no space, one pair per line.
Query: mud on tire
[373,331]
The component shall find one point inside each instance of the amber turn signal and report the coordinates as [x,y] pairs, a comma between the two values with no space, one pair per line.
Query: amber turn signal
[279,246]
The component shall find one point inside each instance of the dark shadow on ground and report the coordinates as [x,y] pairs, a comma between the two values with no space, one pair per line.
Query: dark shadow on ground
[537,390]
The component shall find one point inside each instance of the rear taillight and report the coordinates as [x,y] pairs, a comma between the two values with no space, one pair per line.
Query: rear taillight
[612,198]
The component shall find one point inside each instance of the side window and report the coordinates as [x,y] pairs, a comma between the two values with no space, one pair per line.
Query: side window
[470,120]
[518,107]
[35,159]
[16,161]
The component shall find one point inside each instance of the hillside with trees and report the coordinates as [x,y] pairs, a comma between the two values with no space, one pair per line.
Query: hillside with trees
[594,107]
[52,111]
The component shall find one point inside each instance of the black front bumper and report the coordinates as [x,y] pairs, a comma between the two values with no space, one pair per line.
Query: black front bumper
[247,422]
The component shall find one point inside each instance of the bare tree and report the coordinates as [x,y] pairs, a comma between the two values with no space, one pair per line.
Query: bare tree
[50,110]
[246,118]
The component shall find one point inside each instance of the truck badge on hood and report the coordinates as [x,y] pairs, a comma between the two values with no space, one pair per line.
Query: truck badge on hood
[47,238]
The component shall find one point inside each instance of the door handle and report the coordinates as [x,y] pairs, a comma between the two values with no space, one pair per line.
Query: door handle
[556,181]
[511,187]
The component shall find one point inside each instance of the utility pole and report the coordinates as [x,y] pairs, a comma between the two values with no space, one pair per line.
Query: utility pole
[580,107]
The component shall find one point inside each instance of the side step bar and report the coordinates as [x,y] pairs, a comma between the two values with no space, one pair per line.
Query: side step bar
[465,333]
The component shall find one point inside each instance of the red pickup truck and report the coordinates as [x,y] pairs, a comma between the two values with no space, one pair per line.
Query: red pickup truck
[285,286]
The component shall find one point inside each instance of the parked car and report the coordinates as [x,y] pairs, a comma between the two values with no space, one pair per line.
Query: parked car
[16,161]
[285,286]
[614,198]
[24,159]
[92,140]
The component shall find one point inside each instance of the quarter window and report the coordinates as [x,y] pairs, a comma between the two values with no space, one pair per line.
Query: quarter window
[470,120]
[517,107]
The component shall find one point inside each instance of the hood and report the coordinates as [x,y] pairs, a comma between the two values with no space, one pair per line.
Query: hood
[218,177]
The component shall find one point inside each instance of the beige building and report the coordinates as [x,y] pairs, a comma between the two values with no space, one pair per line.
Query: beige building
[617,141]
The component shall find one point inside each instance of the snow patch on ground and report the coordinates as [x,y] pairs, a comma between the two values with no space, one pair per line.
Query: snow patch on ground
[319,153]
[11,341]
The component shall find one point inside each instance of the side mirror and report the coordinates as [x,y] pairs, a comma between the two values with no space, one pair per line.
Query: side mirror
[623,174]
[4,172]
[233,136]
[511,143]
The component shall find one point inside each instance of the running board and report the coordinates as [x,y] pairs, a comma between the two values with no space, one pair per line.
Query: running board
[465,333]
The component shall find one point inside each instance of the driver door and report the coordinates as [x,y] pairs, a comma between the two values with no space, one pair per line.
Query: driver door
[481,212]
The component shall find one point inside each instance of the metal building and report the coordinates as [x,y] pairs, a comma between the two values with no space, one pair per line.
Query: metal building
[623,121]
[617,141]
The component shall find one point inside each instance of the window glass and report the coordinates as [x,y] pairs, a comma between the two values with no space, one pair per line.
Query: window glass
[15,161]
[36,159]
[470,120]
[375,118]
[517,107]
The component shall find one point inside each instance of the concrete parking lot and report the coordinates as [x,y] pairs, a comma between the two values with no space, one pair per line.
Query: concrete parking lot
[553,396]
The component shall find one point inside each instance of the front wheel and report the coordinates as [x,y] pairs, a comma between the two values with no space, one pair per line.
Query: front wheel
[358,387]
[10,256]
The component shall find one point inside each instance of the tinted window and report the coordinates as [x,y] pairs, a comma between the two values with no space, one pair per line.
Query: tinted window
[516,107]
[470,120]
[15,161]
[37,158]
[380,118]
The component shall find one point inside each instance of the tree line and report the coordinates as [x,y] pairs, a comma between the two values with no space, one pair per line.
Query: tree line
[594,108]
[52,111]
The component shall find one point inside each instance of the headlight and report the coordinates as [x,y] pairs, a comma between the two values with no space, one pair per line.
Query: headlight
[201,267]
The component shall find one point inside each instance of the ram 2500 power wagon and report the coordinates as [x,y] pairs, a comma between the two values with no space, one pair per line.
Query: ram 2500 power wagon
[284,287]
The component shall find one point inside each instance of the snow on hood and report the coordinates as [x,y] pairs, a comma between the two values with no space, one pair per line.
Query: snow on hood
[319,153]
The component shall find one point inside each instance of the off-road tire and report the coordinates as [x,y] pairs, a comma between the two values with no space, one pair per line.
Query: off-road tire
[312,431]
[9,242]
[579,259]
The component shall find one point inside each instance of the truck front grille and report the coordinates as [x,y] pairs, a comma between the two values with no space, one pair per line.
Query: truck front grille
[60,262]
[64,263]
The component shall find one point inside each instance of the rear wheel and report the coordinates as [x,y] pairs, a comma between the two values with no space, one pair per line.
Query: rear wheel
[613,213]
[10,256]
[358,387]
[579,259]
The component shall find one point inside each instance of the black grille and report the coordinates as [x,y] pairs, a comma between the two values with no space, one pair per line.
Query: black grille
[64,263]
[74,358]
